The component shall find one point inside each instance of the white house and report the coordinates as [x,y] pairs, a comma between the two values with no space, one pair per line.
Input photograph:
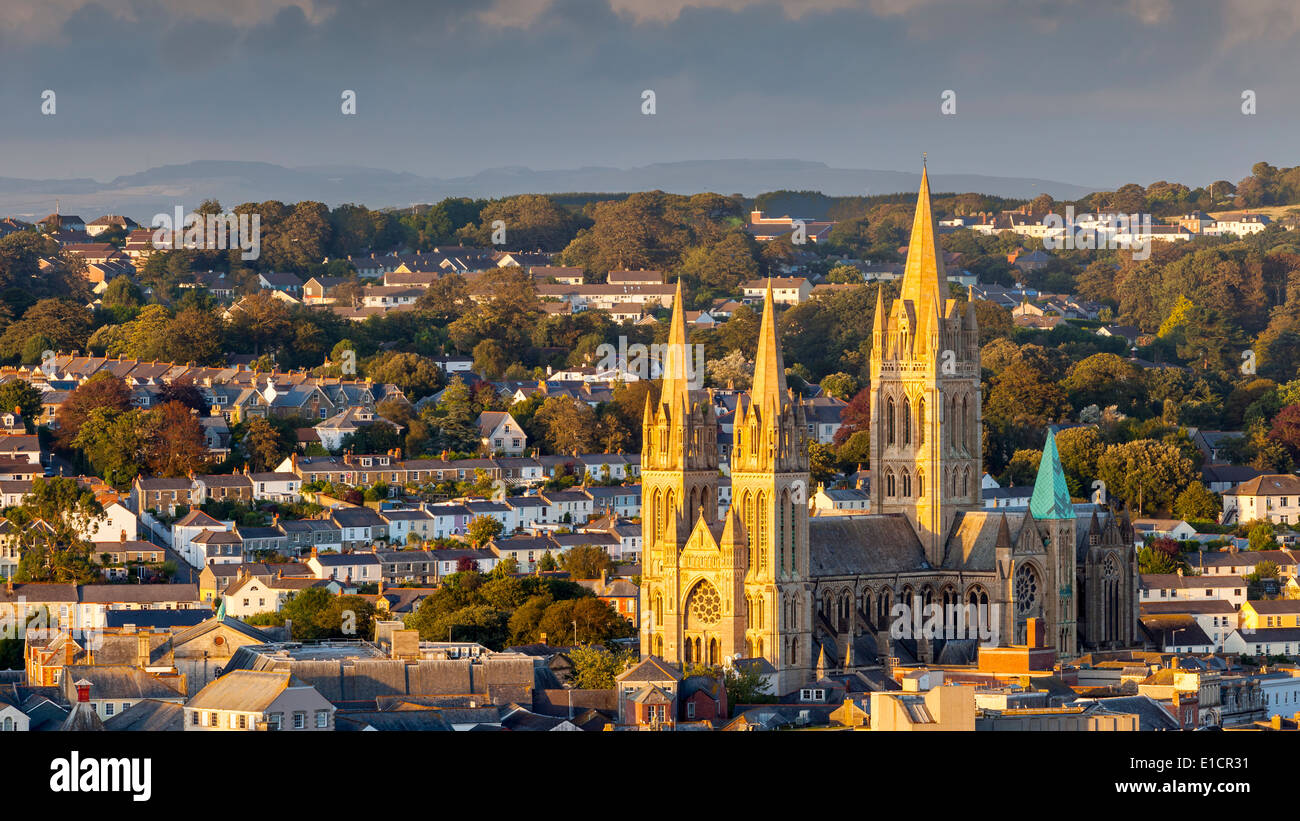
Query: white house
[276,486]
[119,523]
[1267,641]
[355,567]
[1153,587]
[500,433]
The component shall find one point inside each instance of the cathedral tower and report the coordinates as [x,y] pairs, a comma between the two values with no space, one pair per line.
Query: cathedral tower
[769,491]
[1051,507]
[926,441]
[739,587]
[679,481]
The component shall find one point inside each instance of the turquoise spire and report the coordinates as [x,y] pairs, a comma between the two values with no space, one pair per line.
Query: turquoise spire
[1051,499]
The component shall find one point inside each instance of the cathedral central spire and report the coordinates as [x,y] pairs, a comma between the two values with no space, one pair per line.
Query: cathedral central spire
[924,279]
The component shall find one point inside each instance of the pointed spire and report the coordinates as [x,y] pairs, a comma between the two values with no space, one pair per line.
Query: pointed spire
[821,664]
[878,322]
[769,389]
[1051,499]
[676,389]
[924,275]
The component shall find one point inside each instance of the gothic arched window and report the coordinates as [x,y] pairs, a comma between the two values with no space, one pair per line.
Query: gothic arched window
[890,489]
[907,485]
[907,421]
[920,421]
[889,421]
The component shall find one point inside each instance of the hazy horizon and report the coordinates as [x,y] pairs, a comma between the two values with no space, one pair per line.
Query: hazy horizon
[1092,93]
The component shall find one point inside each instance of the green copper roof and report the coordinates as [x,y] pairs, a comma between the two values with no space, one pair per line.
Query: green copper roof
[1051,499]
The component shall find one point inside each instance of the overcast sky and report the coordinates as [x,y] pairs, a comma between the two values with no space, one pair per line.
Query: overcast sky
[1095,92]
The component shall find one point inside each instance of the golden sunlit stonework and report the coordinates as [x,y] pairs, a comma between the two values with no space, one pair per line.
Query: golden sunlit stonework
[813,595]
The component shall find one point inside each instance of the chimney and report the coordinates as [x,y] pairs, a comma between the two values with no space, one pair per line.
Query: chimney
[83,691]
[1033,632]
[406,644]
[604,577]
[313,551]
[142,650]
[541,638]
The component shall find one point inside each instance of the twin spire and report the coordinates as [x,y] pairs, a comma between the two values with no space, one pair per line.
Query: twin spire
[769,388]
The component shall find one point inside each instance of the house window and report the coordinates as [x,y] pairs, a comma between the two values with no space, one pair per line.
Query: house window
[322,719]
[299,721]
[273,721]
[690,709]
[243,722]
[195,717]
[213,720]
[108,708]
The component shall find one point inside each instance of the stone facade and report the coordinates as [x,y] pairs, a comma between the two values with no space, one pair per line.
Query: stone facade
[767,581]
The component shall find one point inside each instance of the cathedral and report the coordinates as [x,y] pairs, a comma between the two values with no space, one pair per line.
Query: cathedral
[767,580]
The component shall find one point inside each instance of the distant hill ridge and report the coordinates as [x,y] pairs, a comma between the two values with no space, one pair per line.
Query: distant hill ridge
[161,189]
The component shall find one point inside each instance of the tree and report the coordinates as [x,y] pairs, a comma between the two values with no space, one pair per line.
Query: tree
[18,394]
[59,554]
[567,424]
[454,415]
[1262,536]
[482,529]
[547,563]
[317,614]
[1079,449]
[174,441]
[596,621]
[1023,395]
[64,325]
[1197,504]
[263,444]
[822,462]
[841,385]
[1105,379]
[1145,473]
[855,417]
[746,685]
[1162,556]
[103,390]
[586,562]
[595,668]
[731,371]
[111,441]
[1286,429]
[417,376]
[1023,467]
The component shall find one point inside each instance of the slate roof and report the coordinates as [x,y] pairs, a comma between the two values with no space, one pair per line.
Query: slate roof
[120,681]
[651,668]
[976,535]
[1151,716]
[852,545]
[149,716]
[411,721]
[243,690]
